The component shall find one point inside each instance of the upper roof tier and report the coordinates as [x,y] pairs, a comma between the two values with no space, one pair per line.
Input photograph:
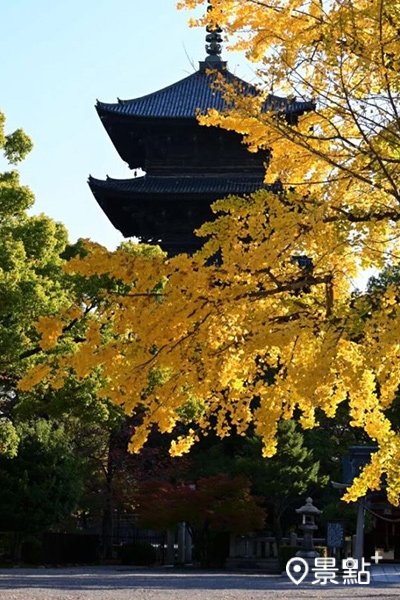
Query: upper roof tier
[193,94]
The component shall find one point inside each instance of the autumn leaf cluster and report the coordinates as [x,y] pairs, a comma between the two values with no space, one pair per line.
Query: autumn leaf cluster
[263,323]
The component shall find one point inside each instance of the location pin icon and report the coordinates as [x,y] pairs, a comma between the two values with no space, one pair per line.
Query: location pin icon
[297,569]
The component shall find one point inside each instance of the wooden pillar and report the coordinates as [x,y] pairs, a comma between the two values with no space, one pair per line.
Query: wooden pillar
[181,543]
[170,557]
[188,546]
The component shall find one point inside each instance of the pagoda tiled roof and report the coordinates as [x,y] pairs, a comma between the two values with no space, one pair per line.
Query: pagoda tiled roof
[193,94]
[153,185]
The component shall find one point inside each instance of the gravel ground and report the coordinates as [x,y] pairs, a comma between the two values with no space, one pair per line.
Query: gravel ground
[113,583]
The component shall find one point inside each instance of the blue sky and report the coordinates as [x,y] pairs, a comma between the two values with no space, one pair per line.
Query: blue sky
[57,59]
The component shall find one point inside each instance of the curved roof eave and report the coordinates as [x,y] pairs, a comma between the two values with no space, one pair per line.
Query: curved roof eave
[191,95]
[171,185]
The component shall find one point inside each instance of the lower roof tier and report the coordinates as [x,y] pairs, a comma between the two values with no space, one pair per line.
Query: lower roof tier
[165,210]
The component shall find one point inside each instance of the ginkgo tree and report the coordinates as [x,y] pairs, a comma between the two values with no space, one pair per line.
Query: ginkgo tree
[262,324]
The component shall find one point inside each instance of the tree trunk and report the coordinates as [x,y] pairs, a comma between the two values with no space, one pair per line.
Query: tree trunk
[200,539]
[18,539]
[276,519]
[107,529]
[108,511]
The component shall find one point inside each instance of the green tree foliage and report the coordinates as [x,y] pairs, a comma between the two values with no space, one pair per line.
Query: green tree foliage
[8,438]
[286,477]
[33,286]
[41,486]
[31,279]
[299,468]
[30,250]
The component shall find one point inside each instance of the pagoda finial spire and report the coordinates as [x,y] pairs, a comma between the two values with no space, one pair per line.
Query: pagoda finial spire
[213,45]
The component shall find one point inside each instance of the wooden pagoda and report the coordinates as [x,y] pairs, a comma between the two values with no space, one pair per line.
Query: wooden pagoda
[187,166]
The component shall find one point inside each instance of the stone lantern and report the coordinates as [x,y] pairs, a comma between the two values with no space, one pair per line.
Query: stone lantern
[308,513]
